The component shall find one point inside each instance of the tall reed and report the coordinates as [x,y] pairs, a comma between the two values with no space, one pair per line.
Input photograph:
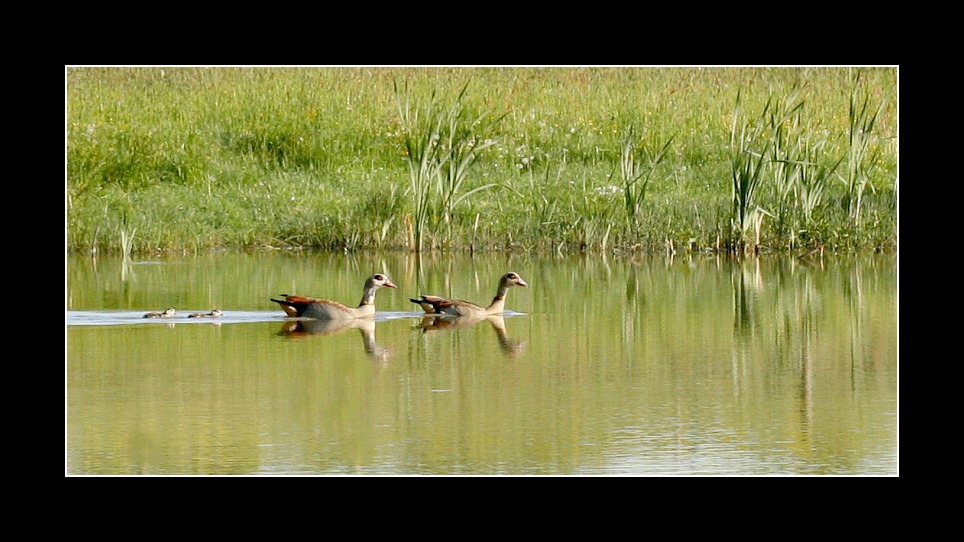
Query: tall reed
[814,177]
[637,163]
[442,142]
[421,125]
[782,121]
[747,167]
[862,157]
[467,138]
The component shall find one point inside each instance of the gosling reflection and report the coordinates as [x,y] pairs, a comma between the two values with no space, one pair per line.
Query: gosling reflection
[435,322]
[311,327]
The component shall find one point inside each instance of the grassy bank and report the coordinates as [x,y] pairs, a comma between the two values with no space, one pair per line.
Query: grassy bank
[596,159]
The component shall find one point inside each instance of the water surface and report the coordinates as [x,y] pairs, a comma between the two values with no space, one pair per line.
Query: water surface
[630,366]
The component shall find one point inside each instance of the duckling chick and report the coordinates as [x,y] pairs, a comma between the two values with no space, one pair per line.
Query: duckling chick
[168,313]
[213,314]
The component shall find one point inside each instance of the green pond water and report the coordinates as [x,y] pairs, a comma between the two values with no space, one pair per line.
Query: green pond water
[645,366]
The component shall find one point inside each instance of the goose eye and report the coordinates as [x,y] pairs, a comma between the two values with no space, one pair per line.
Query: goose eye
[379,277]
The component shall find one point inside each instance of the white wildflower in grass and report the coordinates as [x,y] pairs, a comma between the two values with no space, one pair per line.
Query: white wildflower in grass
[608,190]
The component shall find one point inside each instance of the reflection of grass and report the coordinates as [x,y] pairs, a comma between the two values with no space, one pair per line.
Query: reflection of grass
[127,242]
[320,157]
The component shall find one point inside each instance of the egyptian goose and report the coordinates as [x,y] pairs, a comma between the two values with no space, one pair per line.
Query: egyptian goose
[325,309]
[168,313]
[216,313]
[433,304]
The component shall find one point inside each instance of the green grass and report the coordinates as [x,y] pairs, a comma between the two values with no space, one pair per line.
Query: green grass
[546,159]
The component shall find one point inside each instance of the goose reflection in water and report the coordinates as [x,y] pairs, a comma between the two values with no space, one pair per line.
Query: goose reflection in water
[310,327]
[434,322]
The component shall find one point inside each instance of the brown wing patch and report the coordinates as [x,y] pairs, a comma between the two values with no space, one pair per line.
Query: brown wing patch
[299,299]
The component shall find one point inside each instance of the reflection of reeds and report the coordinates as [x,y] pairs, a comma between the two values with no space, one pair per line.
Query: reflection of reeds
[127,242]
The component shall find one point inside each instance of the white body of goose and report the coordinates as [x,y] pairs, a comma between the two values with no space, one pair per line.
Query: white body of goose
[433,304]
[325,309]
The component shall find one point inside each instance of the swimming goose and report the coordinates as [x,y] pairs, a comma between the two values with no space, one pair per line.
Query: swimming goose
[433,304]
[168,313]
[215,314]
[325,309]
